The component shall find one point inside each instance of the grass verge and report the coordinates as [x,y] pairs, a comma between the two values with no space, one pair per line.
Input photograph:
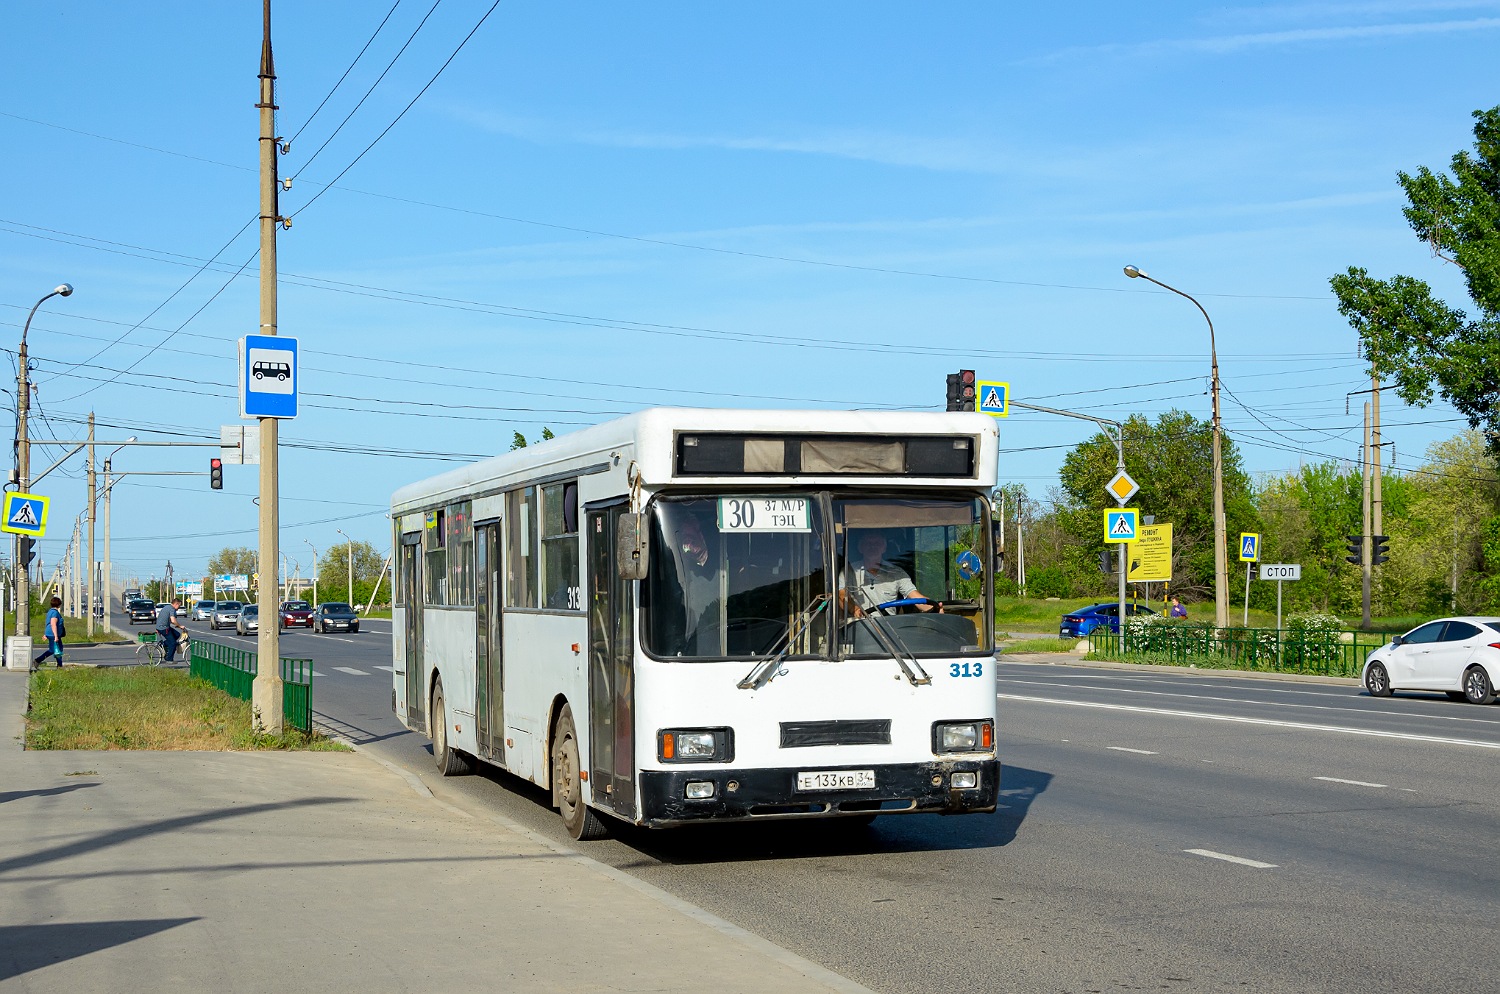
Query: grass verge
[146,707]
[1039,645]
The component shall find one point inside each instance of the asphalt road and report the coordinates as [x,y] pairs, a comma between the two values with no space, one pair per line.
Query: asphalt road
[1165,831]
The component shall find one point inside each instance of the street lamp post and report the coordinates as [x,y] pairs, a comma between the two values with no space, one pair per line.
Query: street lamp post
[351,566]
[314,549]
[1221,566]
[23,459]
[109,486]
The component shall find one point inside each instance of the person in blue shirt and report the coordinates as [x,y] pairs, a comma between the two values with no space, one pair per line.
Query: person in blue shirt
[168,629]
[1178,611]
[52,629]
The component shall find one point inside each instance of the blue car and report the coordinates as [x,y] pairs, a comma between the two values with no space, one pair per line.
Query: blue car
[1076,624]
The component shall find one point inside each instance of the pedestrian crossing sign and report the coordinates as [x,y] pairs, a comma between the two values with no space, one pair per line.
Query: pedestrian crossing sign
[994,398]
[1249,547]
[1121,525]
[25,514]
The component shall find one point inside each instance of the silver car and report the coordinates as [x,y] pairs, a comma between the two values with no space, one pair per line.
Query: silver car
[203,611]
[226,615]
[248,623]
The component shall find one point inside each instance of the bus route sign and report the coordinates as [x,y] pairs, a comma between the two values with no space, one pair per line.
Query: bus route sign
[764,514]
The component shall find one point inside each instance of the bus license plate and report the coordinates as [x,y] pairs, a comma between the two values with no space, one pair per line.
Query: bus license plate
[836,780]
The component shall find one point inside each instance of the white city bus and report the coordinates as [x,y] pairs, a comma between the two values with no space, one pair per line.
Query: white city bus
[706,615]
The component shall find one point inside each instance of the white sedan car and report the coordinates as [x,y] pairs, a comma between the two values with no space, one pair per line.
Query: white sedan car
[1457,656]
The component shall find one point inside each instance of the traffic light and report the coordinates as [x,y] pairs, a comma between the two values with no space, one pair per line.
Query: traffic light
[961,390]
[1106,561]
[216,474]
[1380,549]
[1356,550]
[27,550]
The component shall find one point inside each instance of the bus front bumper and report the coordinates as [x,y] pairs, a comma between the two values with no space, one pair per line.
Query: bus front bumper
[907,788]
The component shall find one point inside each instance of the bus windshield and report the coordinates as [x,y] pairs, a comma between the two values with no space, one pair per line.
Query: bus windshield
[733,576]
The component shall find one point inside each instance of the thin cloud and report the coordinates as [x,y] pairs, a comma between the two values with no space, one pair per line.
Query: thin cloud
[1223,44]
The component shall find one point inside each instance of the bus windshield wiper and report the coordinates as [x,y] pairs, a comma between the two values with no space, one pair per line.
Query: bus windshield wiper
[891,643]
[766,669]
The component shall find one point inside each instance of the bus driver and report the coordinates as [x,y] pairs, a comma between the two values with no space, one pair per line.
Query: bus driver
[870,581]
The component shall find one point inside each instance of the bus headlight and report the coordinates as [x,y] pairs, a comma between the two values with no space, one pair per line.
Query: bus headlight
[963,736]
[695,745]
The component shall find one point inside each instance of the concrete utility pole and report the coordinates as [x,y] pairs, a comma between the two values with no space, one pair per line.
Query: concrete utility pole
[1365,543]
[1375,446]
[266,693]
[23,460]
[93,497]
[314,549]
[1221,563]
[351,568]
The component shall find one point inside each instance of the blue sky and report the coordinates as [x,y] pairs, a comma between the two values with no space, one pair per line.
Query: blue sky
[600,207]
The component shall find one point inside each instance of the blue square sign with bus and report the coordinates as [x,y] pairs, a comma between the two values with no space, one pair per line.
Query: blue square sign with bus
[268,376]
[25,514]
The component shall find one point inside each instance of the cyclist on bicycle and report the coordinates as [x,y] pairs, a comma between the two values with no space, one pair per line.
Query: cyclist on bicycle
[168,629]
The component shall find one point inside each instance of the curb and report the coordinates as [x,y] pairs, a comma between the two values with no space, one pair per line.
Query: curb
[757,944]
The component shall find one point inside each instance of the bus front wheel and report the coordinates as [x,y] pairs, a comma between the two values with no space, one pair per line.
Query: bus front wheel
[567,787]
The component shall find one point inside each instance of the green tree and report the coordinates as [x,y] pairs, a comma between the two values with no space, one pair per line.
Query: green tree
[518,440]
[237,559]
[1422,344]
[333,572]
[1172,460]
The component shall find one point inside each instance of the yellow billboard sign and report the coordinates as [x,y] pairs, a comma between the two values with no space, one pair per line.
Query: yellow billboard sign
[1150,555]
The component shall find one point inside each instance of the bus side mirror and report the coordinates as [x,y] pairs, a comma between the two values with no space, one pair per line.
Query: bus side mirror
[630,546]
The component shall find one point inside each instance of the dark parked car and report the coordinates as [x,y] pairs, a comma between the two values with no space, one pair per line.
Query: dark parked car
[335,617]
[296,614]
[1076,624]
[141,611]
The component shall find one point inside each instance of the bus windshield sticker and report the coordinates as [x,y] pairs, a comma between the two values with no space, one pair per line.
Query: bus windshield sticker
[765,514]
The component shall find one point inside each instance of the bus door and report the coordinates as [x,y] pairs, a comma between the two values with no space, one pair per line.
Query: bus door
[489,704]
[611,667]
[411,578]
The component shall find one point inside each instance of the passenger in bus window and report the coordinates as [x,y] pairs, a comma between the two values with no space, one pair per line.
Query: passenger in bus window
[869,580]
[700,587]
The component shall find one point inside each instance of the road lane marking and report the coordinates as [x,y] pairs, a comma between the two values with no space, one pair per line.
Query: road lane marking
[350,670]
[1270,704]
[1232,859]
[320,676]
[1352,783]
[1139,752]
[1270,722]
[388,669]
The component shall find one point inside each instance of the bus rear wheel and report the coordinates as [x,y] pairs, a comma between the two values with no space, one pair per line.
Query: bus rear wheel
[567,786]
[450,762]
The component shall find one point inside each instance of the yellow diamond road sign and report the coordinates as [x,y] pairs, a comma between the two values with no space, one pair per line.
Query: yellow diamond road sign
[1121,487]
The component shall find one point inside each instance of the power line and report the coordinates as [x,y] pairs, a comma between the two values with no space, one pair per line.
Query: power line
[347,71]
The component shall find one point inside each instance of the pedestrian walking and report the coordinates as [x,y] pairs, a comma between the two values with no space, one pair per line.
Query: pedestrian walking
[53,629]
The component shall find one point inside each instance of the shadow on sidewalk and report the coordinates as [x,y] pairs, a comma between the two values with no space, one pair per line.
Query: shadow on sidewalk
[31,947]
[16,795]
[121,836]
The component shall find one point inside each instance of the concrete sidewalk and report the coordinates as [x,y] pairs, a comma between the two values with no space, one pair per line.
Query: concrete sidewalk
[250,872]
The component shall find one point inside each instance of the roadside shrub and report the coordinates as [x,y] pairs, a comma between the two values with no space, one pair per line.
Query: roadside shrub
[1048,581]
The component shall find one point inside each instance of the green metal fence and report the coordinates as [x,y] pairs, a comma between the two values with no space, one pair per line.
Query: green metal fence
[1263,649]
[233,670]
